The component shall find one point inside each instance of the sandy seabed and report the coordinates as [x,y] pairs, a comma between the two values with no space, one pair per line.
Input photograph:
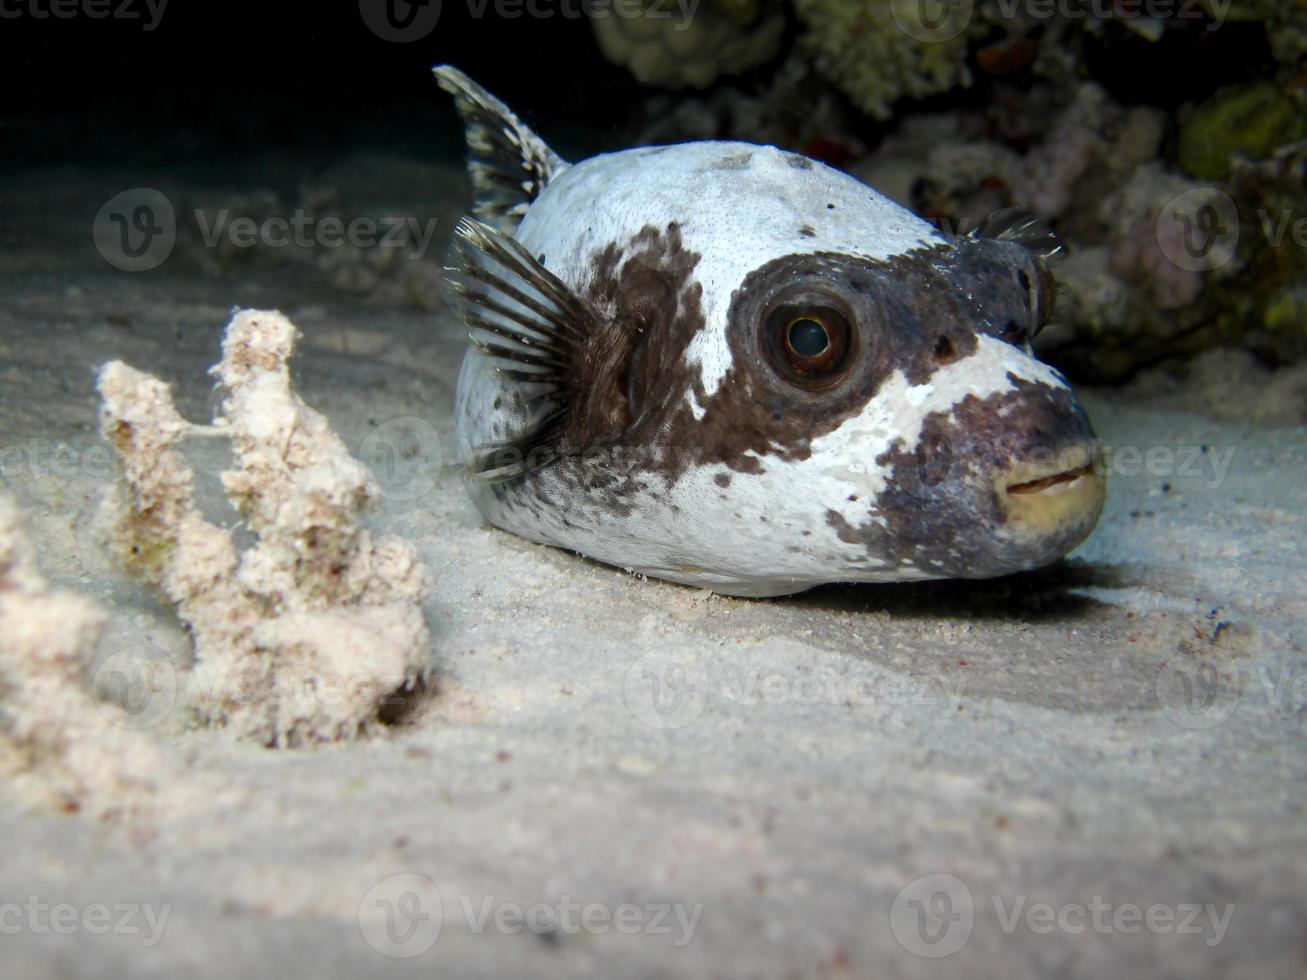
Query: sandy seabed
[1094,770]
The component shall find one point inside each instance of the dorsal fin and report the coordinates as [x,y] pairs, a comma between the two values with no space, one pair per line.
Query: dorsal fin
[509,165]
[1023,227]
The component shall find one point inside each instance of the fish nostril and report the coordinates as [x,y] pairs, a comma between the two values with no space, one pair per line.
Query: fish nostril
[936,461]
[944,352]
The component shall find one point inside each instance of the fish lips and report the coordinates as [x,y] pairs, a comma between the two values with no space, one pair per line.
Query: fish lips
[998,485]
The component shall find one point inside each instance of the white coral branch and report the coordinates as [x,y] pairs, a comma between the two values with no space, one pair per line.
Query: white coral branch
[317,604]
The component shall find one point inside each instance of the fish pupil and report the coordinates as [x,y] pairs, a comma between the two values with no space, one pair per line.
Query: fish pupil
[807,337]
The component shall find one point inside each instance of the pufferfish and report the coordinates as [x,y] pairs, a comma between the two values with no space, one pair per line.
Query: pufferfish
[731,366]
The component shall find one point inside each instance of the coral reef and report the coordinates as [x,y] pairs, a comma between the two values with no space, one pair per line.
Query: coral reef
[1159,264]
[1250,120]
[722,37]
[57,743]
[1178,197]
[316,631]
[878,52]
[1271,314]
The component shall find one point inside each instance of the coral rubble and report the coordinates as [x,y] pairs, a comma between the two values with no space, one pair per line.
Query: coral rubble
[317,628]
[56,742]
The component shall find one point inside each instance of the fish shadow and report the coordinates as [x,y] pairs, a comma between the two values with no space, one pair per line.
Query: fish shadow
[1045,595]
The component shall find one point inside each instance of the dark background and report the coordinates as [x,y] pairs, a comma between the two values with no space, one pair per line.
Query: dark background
[214,78]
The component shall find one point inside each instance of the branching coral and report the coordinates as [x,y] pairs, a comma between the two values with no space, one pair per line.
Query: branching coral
[55,740]
[311,632]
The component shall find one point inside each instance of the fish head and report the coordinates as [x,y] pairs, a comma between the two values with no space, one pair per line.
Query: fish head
[900,407]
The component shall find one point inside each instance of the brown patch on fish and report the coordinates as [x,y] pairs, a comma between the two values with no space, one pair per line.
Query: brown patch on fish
[939,510]
[897,306]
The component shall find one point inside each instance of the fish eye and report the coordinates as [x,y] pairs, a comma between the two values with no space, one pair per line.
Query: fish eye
[1041,288]
[807,337]
[1044,294]
[807,344]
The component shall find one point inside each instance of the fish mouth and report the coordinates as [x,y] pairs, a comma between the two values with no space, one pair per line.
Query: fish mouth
[1055,501]
[1059,479]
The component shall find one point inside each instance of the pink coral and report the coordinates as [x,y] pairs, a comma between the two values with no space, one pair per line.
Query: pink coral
[1142,255]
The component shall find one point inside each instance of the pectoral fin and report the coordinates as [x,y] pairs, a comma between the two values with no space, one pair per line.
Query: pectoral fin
[540,335]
